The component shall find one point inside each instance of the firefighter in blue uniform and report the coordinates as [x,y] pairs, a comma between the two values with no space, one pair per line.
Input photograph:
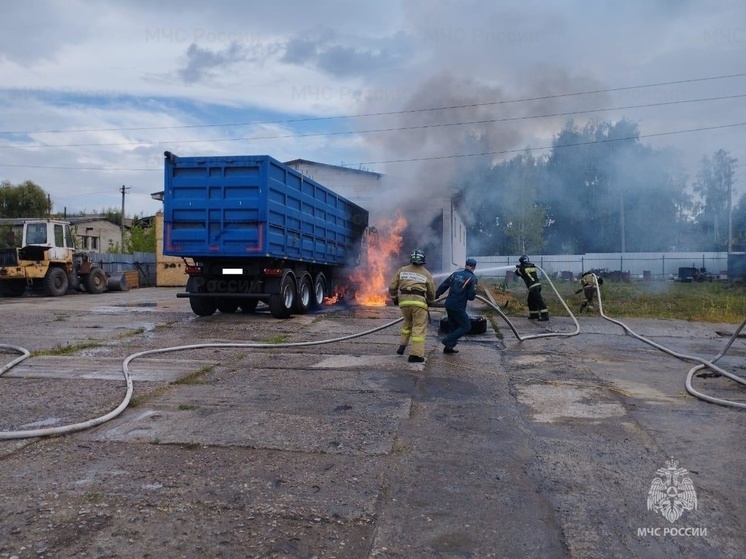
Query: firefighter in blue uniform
[412,289]
[530,275]
[462,287]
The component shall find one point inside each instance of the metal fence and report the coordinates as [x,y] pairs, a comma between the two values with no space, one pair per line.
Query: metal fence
[643,265]
[143,262]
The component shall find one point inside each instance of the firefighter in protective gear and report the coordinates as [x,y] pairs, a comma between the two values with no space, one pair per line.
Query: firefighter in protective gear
[530,275]
[413,290]
[462,288]
[588,282]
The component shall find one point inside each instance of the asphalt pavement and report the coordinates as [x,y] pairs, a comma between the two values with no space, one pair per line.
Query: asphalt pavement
[237,443]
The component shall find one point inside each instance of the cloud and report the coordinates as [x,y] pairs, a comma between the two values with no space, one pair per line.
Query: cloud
[81,65]
[346,56]
[203,63]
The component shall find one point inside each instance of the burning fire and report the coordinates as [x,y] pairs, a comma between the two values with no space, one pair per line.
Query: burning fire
[370,280]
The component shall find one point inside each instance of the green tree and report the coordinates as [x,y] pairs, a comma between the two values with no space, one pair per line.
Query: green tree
[523,217]
[739,224]
[606,192]
[23,200]
[714,185]
[111,214]
[140,238]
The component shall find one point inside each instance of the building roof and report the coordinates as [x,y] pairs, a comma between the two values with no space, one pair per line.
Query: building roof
[340,167]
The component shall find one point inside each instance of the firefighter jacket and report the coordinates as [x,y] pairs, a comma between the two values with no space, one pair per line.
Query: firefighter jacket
[588,283]
[412,286]
[529,273]
[463,288]
[589,280]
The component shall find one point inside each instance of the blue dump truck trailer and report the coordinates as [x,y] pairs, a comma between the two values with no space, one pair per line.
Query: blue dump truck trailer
[252,229]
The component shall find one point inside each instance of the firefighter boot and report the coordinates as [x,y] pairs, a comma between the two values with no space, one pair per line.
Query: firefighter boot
[401,350]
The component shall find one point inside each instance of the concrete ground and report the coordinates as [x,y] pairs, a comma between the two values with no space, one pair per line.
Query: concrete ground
[545,448]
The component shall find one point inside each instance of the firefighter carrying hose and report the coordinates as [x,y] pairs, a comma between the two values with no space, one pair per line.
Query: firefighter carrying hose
[588,283]
[412,289]
[530,275]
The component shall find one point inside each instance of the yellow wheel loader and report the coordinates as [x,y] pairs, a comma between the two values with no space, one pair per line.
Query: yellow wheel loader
[41,255]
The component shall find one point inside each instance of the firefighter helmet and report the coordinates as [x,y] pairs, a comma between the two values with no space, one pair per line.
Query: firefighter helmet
[417,257]
[471,262]
[523,259]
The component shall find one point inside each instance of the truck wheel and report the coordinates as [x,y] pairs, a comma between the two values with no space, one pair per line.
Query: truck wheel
[281,304]
[12,288]
[95,281]
[203,306]
[319,289]
[55,282]
[305,296]
[227,306]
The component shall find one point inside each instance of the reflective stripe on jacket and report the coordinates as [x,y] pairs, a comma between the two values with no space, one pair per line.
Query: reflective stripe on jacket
[413,285]
[529,274]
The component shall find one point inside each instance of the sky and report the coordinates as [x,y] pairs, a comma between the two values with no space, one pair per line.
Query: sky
[93,93]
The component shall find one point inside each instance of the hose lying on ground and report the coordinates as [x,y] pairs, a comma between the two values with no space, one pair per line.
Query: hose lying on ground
[65,429]
[703,363]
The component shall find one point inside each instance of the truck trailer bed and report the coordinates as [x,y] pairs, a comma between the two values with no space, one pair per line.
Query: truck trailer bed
[255,206]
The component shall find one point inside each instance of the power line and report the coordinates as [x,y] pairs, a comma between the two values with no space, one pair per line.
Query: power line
[387,113]
[433,158]
[377,130]
[64,168]
[575,144]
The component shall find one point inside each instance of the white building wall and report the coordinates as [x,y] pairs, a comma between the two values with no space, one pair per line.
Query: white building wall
[366,188]
[453,255]
[360,187]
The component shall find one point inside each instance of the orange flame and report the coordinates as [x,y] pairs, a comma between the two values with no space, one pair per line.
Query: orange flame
[372,278]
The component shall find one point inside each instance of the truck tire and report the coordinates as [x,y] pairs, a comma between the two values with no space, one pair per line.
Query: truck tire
[203,306]
[304,300]
[55,282]
[281,304]
[95,281]
[12,288]
[319,290]
[227,306]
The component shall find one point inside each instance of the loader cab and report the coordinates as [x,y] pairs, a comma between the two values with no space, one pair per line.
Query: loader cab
[54,237]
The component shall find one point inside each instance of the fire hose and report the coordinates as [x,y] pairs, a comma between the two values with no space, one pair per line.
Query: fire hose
[702,363]
[66,429]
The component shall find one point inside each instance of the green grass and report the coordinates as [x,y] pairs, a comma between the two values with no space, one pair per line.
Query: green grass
[699,302]
[196,376]
[67,349]
[278,339]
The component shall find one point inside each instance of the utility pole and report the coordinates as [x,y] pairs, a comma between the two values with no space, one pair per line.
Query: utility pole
[123,190]
[730,216]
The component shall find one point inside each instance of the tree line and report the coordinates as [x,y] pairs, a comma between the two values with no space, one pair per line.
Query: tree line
[599,189]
